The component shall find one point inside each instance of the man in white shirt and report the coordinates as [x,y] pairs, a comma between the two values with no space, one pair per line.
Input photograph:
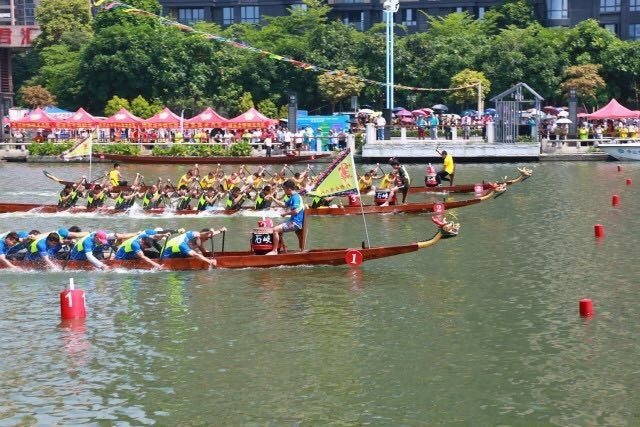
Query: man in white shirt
[381,122]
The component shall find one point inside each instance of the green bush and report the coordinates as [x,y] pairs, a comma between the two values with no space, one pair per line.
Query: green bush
[190,150]
[240,149]
[118,148]
[49,148]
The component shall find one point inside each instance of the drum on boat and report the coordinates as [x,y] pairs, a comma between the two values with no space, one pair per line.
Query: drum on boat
[430,177]
[262,240]
[382,196]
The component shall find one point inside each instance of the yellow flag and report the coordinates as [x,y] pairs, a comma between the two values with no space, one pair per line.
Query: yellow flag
[338,179]
[81,149]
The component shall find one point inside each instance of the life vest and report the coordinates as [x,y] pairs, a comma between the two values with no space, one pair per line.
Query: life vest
[174,244]
[33,248]
[430,177]
[202,203]
[121,202]
[71,201]
[79,247]
[261,202]
[113,178]
[230,205]
[126,245]
[184,203]
[317,202]
[146,201]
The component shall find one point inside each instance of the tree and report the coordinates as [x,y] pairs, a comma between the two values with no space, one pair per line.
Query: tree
[268,108]
[36,96]
[585,79]
[283,112]
[246,102]
[468,95]
[115,104]
[517,13]
[57,17]
[143,109]
[335,87]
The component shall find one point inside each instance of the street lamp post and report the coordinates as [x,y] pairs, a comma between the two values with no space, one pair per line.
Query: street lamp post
[573,111]
[390,7]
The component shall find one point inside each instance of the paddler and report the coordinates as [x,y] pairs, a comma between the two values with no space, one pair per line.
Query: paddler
[182,246]
[125,199]
[9,241]
[448,168]
[294,207]
[96,197]
[235,199]
[44,248]
[207,199]
[403,180]
[264,198]
[184,198]
[69,195]
[152,197]
[88,247]
[208,181]
[135,246]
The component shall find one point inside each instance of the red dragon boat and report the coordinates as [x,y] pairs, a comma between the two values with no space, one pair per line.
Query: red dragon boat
[223,160]
[337,211]
[249,259]
[471,188]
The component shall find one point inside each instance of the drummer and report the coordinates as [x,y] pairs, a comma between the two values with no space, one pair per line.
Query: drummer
[294,207]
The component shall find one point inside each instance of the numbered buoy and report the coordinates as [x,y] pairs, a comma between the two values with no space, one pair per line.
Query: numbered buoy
[438,208]
[586,307]
[354,200]
[478,189]
[598,230]
[72,303]
[615,200]
[353,257]
[629,182]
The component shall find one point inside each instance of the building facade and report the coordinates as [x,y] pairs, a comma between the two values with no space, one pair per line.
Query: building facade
[622,17]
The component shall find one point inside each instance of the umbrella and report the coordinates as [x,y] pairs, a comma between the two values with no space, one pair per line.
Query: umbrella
[366,106]
[490,112]
[395,110]
[563,121]
[469,113]
[403,113]
[406,120]
[427,110]
[419,113]
[365,111]
[563,114]
[440,107]
[550,110]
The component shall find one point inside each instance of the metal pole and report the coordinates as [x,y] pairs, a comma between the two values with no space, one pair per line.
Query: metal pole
[387,16]
[391,35]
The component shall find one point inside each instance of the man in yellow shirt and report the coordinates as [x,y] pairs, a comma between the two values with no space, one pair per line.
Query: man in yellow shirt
[448,168]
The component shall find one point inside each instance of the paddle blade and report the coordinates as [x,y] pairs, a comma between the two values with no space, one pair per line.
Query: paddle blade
[52,176]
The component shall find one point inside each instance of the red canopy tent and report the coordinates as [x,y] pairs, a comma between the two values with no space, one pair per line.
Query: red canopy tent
[164,119]
[122,119]
[251,118]
[36,119]
[613,110]
[206,119]
[80,119]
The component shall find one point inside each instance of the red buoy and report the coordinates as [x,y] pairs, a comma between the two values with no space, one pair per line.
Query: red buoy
[586,307]
[72,303]
[353,257]
[615,200]
[629,182]
[354,200]
[598,230]
[619,168]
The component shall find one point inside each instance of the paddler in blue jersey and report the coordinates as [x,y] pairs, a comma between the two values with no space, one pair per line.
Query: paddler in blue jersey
[294,206]
[9,241]
[133,248]
[182,246]
[88,247]
[43,248]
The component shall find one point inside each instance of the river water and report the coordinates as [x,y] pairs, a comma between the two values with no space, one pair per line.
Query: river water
[482,329]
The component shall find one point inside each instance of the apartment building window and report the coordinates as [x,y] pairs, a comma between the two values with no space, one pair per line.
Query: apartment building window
[409,17]
[557,9]
[634,32]
[481,11]
[459,9]
[609,6]
[190,16]
[250,14]
[634,5]
[611,27]
[227,16]
[355,19]
[298,6]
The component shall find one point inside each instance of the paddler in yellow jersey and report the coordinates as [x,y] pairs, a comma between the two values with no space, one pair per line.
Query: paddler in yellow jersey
[186,180]
[115,177]
[208,181]
[448,168]
[387,181]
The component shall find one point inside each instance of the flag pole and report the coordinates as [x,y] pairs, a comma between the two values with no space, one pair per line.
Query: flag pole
[355,177]
[91,152]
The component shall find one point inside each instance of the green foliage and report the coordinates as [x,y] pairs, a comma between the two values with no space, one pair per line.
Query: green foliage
[336,87]
[58,17]
[468,95]
[585,79]
[49,148]
[117,148]
[517,13]
[283,111]
[246,102]
[141,107]
[240,149]
[268,108]
[198,150]
[115,104]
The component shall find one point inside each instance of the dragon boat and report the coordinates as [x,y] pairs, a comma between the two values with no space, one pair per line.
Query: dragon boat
[251,259]
[324,211]
[524,173]
[223,160]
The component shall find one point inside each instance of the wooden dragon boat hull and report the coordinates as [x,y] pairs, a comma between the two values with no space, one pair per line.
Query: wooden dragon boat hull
[223,160]
[338,211]
[249,259]
[470,188]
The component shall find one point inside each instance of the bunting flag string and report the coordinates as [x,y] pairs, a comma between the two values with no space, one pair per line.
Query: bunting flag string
[241,45]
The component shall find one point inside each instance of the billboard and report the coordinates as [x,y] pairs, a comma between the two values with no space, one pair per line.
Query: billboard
[18,35]
[324,123]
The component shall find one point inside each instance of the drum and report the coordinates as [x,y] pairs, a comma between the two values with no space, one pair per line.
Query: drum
[262,240]
[382,196]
